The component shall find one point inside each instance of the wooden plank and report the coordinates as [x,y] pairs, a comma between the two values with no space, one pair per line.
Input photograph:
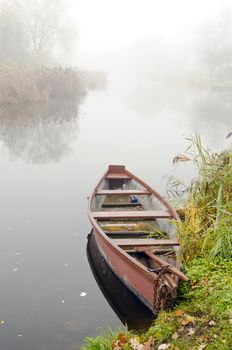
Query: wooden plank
[117,176]
[143,214]
[145,242]
[122,192]
[116,168]
[163,262]
[125,205]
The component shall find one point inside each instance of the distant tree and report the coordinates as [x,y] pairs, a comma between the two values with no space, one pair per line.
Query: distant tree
[215,43]
[34,30]
[13,43]
[45,24]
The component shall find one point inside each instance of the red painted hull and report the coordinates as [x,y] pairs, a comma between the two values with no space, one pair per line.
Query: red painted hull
[134,276]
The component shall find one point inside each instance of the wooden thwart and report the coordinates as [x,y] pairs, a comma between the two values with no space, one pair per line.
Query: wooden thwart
[117,176]
[143,214]
[122,192]
[145,242]
[118,205]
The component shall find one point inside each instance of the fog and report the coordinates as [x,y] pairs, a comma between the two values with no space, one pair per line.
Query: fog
[85,84]
[109,30]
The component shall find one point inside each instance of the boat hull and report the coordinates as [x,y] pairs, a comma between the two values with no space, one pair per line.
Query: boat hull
[134,276]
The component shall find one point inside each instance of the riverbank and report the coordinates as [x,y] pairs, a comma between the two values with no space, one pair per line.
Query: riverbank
[202,318]
[21,85]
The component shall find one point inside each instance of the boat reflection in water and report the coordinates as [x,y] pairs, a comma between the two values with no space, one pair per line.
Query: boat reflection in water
[130,310]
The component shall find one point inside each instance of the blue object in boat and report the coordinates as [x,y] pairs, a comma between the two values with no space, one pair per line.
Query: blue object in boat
[134,199]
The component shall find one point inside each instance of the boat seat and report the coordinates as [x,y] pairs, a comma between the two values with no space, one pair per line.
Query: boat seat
[117,176]
[145,242]
[122,192]
[125,205]
[136,214]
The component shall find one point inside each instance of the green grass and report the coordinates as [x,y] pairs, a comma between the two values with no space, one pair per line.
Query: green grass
[99,343]
[204,308]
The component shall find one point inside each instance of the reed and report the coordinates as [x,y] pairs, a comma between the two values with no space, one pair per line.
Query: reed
[206,228]
[32,85]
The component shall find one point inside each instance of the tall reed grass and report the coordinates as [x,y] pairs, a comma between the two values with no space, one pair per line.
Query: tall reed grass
[207,226]
[24,85]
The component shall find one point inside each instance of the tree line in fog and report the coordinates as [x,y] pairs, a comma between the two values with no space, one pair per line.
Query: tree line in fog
[33,35]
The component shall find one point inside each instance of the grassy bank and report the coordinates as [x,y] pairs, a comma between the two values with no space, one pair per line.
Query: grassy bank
[24,85]
[202,318]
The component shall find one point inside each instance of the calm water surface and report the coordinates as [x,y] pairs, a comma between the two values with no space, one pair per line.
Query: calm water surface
[51,157]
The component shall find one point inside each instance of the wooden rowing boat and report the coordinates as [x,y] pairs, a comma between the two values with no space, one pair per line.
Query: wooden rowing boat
[134,228]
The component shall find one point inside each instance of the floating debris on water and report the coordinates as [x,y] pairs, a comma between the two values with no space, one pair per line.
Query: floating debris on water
[17,253]
[15,269]
[83,294]
[2,322]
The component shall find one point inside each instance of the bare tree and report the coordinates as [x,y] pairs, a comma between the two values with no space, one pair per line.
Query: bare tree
[215,43]
[42,22]
[13,44]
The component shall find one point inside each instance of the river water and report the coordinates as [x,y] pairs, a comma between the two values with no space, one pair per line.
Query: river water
[51,157]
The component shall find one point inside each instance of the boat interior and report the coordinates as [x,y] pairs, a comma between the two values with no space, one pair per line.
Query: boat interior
[136,221]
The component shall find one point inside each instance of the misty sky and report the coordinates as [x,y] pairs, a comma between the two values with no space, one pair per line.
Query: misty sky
[115,23]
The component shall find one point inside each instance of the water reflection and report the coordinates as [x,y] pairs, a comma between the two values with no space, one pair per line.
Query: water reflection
[128,308]
[39,133]
[212,113]
[193,108]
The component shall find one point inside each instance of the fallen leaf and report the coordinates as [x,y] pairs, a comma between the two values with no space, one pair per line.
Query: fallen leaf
[115,345]
[187,320]
[148,344]
[212,323]
[201,339]
[135,344]
[179,313]
[180,329]
[202,346]
[164,346]
[191,331]
[175,336]
[122,337]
